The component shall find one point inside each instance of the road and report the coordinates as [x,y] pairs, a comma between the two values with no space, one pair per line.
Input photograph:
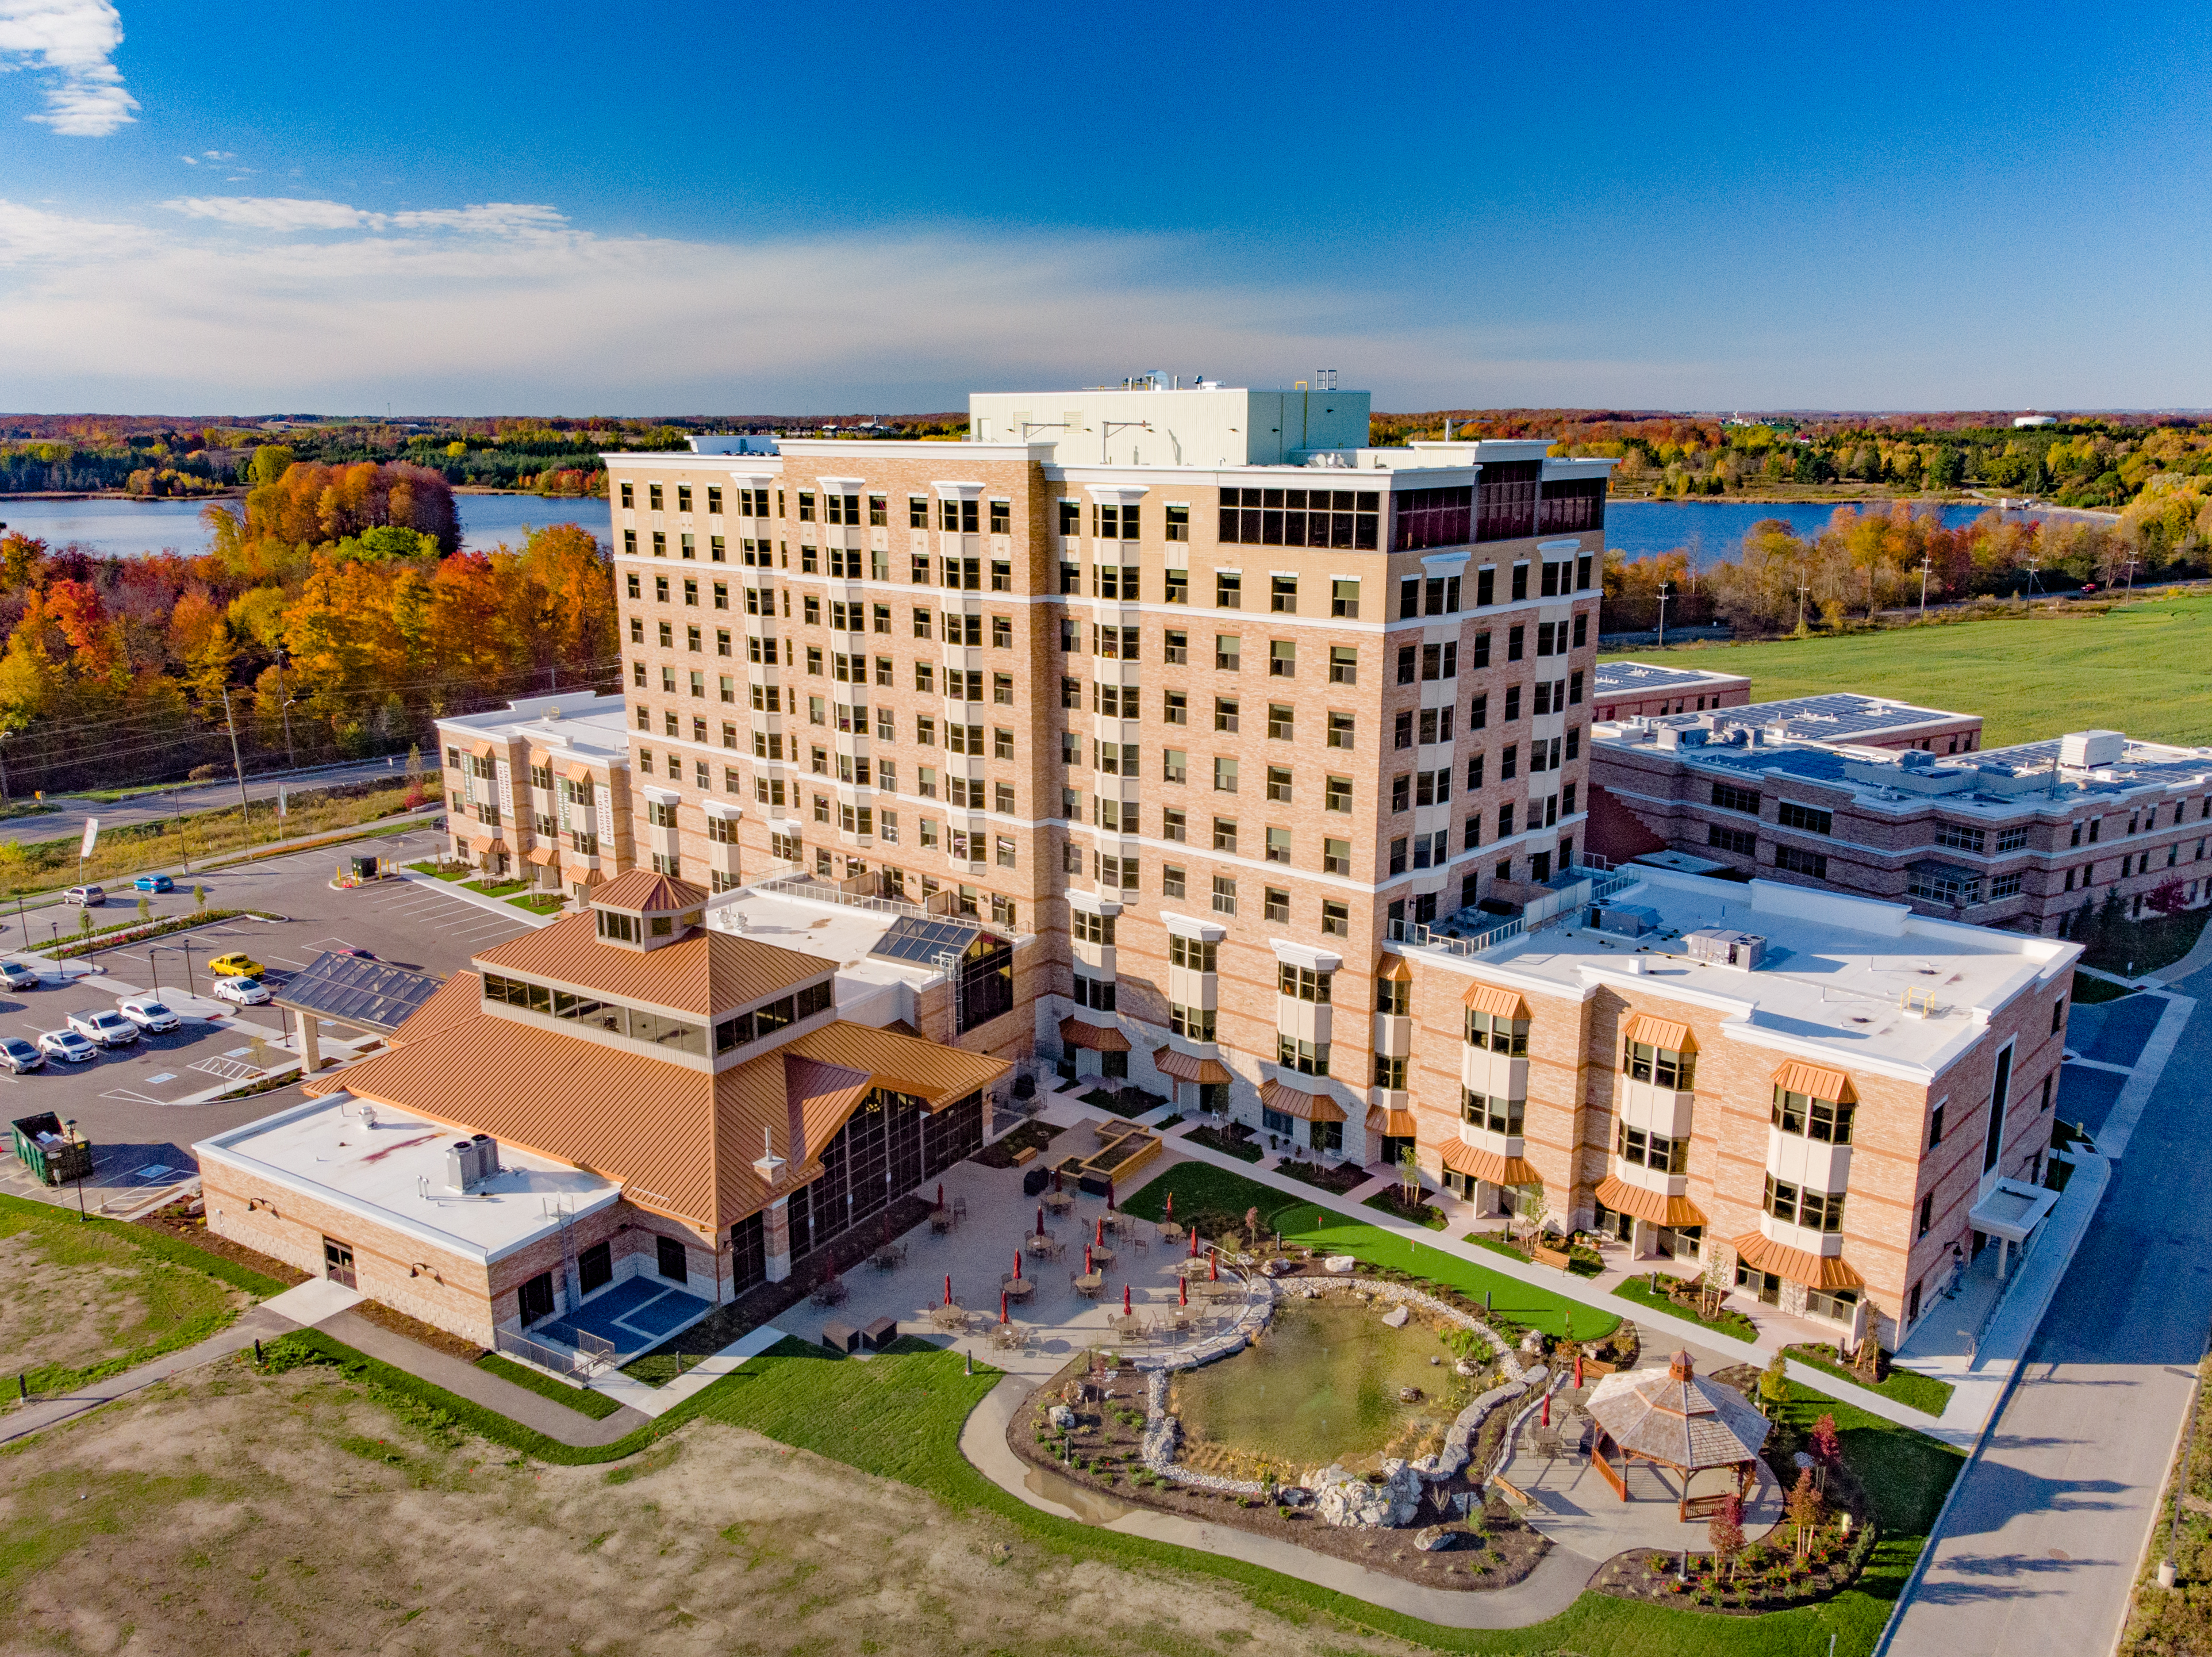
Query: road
[72,809]
[2041,1548]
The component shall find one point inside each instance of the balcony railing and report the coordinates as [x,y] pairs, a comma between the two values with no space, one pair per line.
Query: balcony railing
[1590,886]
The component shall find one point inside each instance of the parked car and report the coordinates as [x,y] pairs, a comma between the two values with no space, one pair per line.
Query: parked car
[247,992]
[67,1044]
[236,964]
[19,1056]
[148,1014]
[16,976]
[155,883]
[87,897]
[109,1029]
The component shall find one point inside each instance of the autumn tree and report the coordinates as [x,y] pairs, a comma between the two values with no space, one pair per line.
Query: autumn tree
[1725,1535]
[1807,1509]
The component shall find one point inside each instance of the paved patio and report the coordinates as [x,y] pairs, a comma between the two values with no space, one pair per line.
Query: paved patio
[1571,1502]
[1056,1323]
[633,1315]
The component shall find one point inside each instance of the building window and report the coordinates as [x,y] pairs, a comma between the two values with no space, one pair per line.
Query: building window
[1826,1120]
[1816,1211]
[1654,1151]
[1499,1035]
[1806,817]
[1307,1058]
[1729,797]
[1301,517]
[1303,983]
[1224,895]
[1661,1066]
[1802,862]
[1491,1112]
[1742,842]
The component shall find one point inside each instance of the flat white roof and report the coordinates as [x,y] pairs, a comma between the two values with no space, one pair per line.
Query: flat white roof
[840,933]
[582,724]
[323,1149]
[1838,969]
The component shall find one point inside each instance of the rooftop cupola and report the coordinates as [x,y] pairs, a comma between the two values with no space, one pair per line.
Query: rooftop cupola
[643,909]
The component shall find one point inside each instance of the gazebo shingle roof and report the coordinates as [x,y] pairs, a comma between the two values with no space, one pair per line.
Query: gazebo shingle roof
[1678,1418]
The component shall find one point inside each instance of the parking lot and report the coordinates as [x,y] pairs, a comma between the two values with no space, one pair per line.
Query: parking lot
[129,1101]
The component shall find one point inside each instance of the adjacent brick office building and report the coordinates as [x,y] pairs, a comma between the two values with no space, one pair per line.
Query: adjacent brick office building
[1625,690]
[1187,689]
[2028,837]
[1828,1097]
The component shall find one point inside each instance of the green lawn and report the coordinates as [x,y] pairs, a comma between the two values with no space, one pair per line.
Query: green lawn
[1201,1185]
[2029,679]
[1733,1324]
[899,1416]
[158,1293]
[1905,1386]
[597,1405]
[2089,991]
[437,874]
[539,903]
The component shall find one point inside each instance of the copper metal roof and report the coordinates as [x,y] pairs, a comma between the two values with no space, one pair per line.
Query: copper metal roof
[1816,1081]
[1499,1003]
[1396,1124]
[1796,1265]
[1671,1034]
[1463,1158]
[647,890]
[457,1000]
[907,1064]
[1312,1107]
[1099,1038]
[1657,1207]
[1188,1067]
[704,974]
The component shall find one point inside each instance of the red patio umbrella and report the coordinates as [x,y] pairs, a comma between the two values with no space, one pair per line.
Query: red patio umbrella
[1183,1292]
[941,1193]
[1213,1268]
[948,1288]
[1087,1267]
[1548,1409]
[1099,1236]
[1170,1205]
[1125,1299]
[1193,1244]
[1017,1266]
[1578,1372]
[1002,1306]
[1040,1219]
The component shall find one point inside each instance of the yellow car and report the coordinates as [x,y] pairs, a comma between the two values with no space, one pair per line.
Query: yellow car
[236,966]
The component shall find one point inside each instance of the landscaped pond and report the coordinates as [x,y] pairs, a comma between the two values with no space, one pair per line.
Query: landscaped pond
[1322,1385]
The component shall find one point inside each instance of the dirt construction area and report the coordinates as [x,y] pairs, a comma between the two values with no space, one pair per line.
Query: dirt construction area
[238,1513]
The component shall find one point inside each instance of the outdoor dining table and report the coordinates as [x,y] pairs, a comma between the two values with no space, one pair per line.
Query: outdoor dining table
[1017,1288]
[940,1219]
[1101,1257]
[1041,1246]
[948,1317]
[1059,1202]
[1188,1267]
[1090,1282]
[886,1258]
[1127,1323]
[1170,1232]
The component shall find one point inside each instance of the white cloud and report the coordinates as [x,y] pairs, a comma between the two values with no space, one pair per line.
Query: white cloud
[72,42]
[288,215]
[189,161]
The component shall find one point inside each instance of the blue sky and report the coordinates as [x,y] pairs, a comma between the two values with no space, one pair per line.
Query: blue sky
[873,207]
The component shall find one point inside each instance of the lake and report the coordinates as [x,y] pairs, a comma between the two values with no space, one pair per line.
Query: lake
[127,528]
[1716,529]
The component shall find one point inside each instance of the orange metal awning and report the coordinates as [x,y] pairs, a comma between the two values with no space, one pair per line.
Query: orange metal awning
[1076,1033]
[1396,969]
[1794,1265]
[1498,1003]
[1816,1081]
[1310,1107]
[485,749]
[1658,1208]
[1394,1125]
[1463,1158]
[579,773]
[1669,1033]
[1188,1067]
[541,854]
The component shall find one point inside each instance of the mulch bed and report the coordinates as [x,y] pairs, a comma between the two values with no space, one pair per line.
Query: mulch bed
[768,1301]
[1235,1141]
[422,1334]
[999,1153]
[180,1219]
[1491,1549]
[1340,1179]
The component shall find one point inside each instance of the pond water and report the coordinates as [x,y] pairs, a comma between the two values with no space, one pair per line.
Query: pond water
[1320,1386]
[126,529]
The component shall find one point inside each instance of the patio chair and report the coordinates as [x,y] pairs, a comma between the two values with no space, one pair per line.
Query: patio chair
[1137,1239]
[959,1209]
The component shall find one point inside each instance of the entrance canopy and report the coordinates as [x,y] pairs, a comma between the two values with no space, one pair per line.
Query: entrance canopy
[2012,1209]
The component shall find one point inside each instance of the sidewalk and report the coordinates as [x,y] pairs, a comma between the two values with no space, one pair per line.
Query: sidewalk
[1978,1386]
[256,1323]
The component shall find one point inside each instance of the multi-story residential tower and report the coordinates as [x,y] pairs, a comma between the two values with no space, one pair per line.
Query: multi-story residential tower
[542,790]
[1201,703]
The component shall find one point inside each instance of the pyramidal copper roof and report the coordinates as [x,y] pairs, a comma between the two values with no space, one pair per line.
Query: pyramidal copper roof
[706,973]
[647,890]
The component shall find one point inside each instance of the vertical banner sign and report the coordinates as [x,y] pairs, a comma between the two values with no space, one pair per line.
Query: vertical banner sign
[280,800]
[91,837]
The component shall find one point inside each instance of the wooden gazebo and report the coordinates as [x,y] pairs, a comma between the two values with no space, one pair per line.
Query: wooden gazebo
[1678,1419]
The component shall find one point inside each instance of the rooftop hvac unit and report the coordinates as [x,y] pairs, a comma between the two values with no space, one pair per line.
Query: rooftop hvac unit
[1719,947]
[487,1156]
[461,1164]
[1625,920]
[2085,750]
[1916,760]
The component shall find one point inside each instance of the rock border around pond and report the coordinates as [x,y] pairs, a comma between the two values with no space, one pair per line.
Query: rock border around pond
[1339,1498]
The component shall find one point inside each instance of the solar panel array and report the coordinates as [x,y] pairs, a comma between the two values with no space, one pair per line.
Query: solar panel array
[910,938]
[366,993]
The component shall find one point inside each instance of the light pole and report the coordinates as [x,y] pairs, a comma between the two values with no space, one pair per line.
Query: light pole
[1663,596]
[70,1127]
[1923,586]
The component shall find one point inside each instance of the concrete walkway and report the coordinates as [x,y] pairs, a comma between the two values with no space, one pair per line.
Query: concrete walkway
[1554,1584]
[257,1324]
[517,1403]
[497,906]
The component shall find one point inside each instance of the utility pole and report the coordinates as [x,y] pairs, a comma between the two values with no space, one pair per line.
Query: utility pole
[2131,574]
[4,765]
[291,759]
[1923,586]
[1662,615]
[1802,589]
[237,764]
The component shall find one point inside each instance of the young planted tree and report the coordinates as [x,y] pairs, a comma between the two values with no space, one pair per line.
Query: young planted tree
[1826,1446]
[1713,1287]
[1774,1384]
[417,791]
[1807,1509]
[200,897]
[1409,1175]
[1725,1535]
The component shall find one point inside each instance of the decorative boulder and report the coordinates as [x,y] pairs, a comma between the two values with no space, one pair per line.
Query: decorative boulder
[1276,1268]
[1533,1344]
[1409,1395]
[1397,1317]
[1061,1418]
[1435,1540]
[1340,1264]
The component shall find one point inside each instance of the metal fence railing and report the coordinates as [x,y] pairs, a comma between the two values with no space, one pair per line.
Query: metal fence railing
[1593,885]
[589,1356]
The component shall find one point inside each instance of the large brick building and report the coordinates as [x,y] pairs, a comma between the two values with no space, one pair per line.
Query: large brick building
[1187,691]
[541,790]
[2031,837]
[1829,1100]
